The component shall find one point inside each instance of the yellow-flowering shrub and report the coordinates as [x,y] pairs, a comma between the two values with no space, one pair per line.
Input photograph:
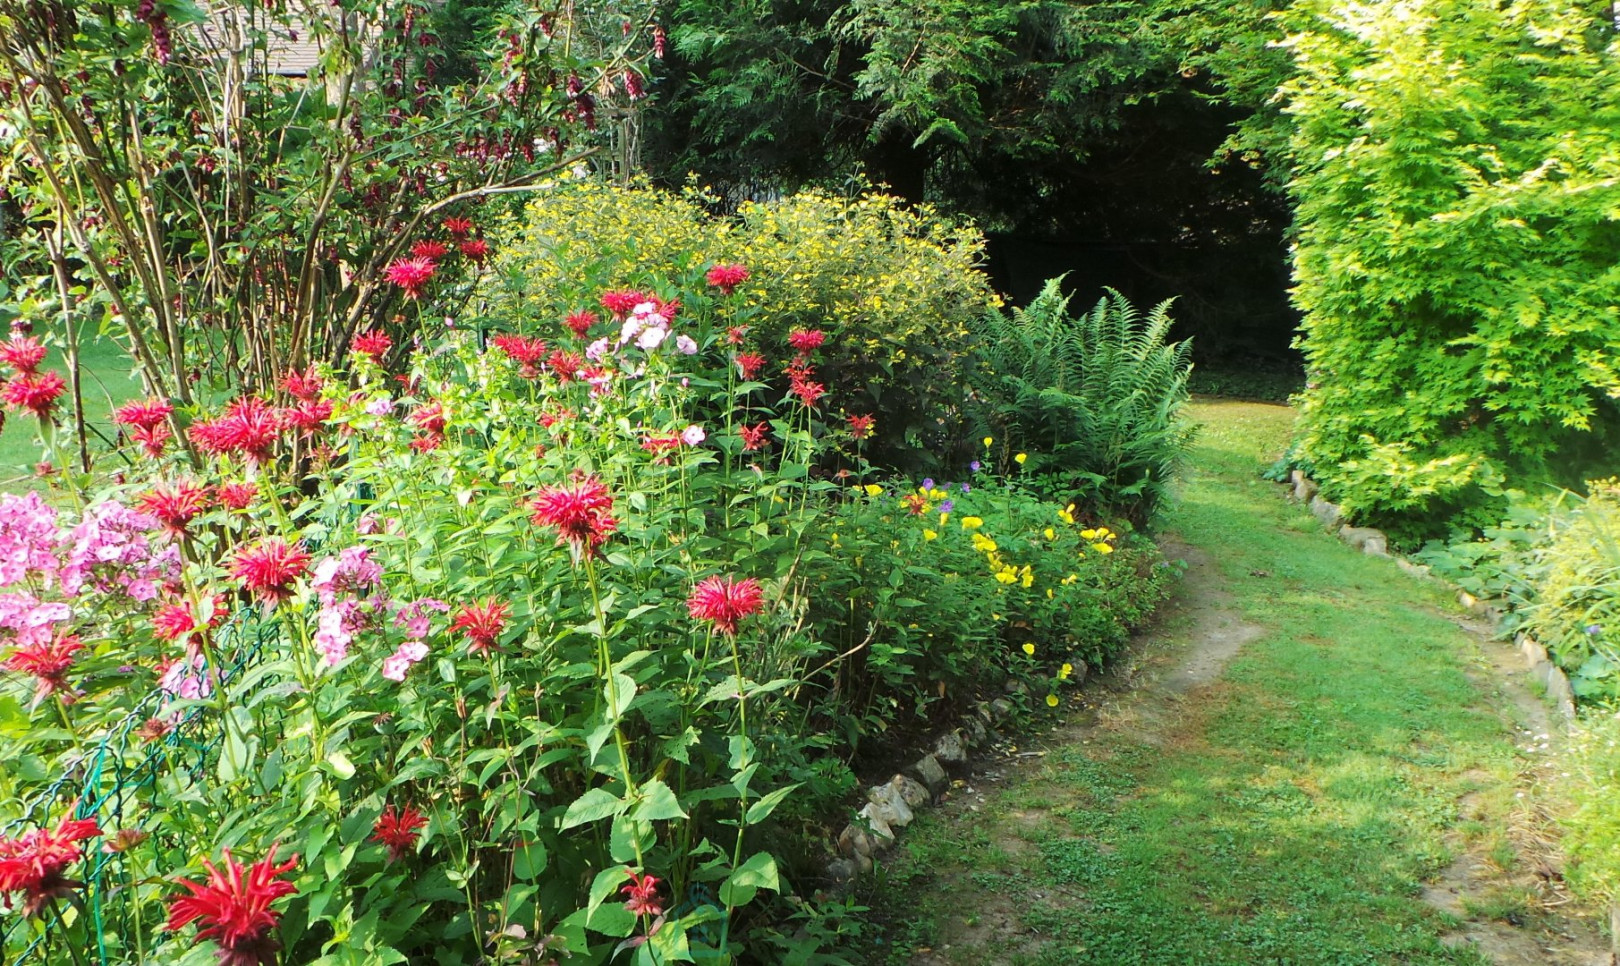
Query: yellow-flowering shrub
[893,287]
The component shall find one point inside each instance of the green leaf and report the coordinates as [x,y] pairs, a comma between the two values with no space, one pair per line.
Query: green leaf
[529,860]
[658,803]
[596,804]
[340,765]
[631,838]
[605,884]
[759,872]
[761,810]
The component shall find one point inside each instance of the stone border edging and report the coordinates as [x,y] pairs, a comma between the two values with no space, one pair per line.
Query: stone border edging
[1373,542]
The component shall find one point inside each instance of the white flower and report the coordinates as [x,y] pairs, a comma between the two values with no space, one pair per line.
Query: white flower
[693,435]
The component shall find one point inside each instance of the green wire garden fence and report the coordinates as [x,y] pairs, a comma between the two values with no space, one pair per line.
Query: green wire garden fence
[105,783]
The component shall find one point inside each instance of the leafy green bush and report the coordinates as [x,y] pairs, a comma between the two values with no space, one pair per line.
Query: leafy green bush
[1095,401]
[1576,609]
[1455,180]
[894,287]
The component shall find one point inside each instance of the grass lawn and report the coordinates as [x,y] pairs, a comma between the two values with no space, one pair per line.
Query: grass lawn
[1291,811]
[107,384]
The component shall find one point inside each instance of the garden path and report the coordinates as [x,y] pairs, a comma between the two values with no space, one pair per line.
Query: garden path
[1312,759]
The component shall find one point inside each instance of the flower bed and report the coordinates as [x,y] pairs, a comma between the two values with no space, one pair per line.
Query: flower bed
[551,648]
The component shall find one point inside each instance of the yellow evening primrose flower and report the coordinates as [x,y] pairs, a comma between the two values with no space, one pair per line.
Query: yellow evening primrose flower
[1005,577]
[1048,593]
[943,517]
[988,440]
[1051,701]
[872,489]
[1064,671]
[1065,516]
[1028,581]
[1020,458]
[936,494]
[971,523]
[1070,579]
[1102,548]
[1088,534]
[1029,649]
[1051,534]
[929,535]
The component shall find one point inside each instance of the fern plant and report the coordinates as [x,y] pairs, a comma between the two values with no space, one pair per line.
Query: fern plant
[1096,401]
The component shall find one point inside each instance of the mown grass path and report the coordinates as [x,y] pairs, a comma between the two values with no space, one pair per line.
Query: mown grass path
[1311,761]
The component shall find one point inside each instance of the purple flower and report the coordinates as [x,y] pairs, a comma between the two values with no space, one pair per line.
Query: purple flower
[1594,629]
[975,466]
[947,506]
[928,484]
[966,488]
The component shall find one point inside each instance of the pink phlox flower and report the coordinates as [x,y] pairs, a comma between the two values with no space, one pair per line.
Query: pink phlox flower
[414,616]
[28,539]
[110,550]
[381,406]
[351,571]
[597,350]
[693,435]
[651,337]
[28,620]
[187,679]
[686,345]
[335,628]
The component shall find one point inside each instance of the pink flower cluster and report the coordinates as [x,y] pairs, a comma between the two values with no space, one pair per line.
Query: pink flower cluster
[28,539]
[352,572]
[110,550]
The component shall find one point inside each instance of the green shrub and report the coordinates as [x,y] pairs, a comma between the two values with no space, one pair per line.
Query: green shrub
[1095,401]
[1575,612]
[1456,181]
[893,287]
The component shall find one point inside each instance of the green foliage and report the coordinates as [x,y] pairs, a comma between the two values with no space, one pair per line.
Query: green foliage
[891,286]
[1575,611]
[1095,401]
[1456,185]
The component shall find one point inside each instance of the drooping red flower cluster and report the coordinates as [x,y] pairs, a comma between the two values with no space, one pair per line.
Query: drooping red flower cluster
[749,364]
[724,601]
[581,511]
[47,661]
[806,341]
[726,277]
[305,386]
[642,893]
[458,227]
[236,496]
[860,427]
[175,505]
[475,250]
[580,322]
[411,274]
[308,417]
[34,862]
[269,567]
[179,621]
[801,382]
[399,830]
[754,437]
[430,419]
[565,365]
[147,420]
[374,343]
[249,427]
[527,353]
[233,908]
[482,624]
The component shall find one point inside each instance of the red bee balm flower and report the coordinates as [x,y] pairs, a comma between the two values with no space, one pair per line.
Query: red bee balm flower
[476,250]
[526,352]
[749,364]
[375,343]
[173,621]
[860,427]
[565,364]
[411,274]
[33,864]
[304,385]
[236,496]
[643,896]
[22,353]
[581,512]
[153,439]
[34,391]
[430,250]
[806,340]
[482,623]
[726,278]
[580,322]
[620,303]
[48,663]
[175,506]
[233,907]
[398,830]
[249,426]
[458,227]
[143,414]
[754,437]
[269,567]
[725,601]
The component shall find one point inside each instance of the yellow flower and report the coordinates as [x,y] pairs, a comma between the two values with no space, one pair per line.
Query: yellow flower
[943,517]
[1019,459]
[1051,701]
[1029,649]
[1028,581]
[1064,671]
[1102,548]
[936,494]
[1051,534]
[1088,534]
[971,523]
[988,440]
[872,489]
[1048,593]
[929,535]
[1070,579]
[1006,577]
[1065,516]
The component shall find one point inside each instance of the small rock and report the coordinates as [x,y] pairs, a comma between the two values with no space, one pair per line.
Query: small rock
[855,841]
[912,792]
[842,870]
[1366,539]
[882,835]
[949,749]
[1534,654]
[928,771]
[976,731]
[1326,512]
[1562,696]
[885,804]
[1467,600]
[1015,686]
[864,864]
[1416,570]
[1001,708]
[1304,487]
